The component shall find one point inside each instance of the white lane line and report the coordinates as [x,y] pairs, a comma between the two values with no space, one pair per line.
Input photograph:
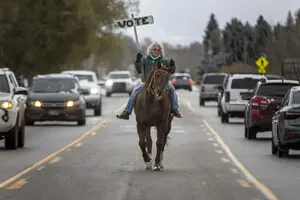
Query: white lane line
[216,144]
[189,105]
[234,170]
[219,151]
[264,189]
[178,131]
[211,139]
[225,160]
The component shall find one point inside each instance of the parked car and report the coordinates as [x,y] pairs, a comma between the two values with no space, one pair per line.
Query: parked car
[209,88]
[89,84]
[267,95]
[182,81]
[55,97]
[286,124]
[237,89]
[12,110]
[119,82]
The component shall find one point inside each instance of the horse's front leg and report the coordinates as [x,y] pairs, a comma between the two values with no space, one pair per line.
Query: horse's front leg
[149,141]
[142,143]
[161,133]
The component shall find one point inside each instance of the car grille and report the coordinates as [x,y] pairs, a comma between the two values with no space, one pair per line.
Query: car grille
[53,104]
[119,87]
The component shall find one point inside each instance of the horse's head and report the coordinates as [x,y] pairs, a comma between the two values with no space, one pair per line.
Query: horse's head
[160,79]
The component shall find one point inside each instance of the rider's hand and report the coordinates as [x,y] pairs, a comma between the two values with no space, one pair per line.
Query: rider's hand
[172,63]
[139,56]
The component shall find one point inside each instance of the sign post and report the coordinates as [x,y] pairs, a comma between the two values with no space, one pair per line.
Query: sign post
[262,63]
[134,22]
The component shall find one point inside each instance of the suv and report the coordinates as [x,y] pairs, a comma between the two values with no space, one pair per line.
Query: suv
[182,81]
[89,85]
[209,87]
[12,110]
[237,89]
[267,95]
[119,82]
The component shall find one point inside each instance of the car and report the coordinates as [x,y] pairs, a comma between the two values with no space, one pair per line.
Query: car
[182,81]
[55,97]
[89,84]
[237,89]
[286,124]
[220,95]
[266,96]
[209,87]
[119,82]
[12,110]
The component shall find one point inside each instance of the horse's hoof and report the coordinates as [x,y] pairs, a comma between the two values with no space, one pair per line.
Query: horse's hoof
[149,165]
[156,168]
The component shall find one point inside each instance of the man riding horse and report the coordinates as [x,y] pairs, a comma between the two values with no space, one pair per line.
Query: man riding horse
[144,66]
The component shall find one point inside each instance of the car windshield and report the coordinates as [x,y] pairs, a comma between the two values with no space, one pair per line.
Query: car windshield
[274,89]
[82,77]
[4,87]
[296,98]
[244,83]
[184,77]
[214,79]
[54,85]
[118,76]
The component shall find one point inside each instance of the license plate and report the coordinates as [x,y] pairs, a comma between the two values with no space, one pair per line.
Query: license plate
[53,112]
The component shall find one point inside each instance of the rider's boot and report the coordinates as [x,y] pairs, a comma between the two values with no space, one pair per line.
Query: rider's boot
[177,113]
[124,115]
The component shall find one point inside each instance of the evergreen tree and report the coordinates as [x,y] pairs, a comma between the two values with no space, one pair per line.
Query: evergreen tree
[211,39]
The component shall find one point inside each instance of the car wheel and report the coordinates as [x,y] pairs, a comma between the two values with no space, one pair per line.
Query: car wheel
[98,110]
[282,151]
[21,136]
[81,122]
[29,122]
[11,139]
[202,102]
[251,133]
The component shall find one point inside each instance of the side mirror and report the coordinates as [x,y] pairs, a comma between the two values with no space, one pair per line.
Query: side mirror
[220,88]
[101,83]
[85,92]
[20,91]
[277,108]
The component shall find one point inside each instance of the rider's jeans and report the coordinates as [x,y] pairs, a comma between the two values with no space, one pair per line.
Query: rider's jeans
[171,89]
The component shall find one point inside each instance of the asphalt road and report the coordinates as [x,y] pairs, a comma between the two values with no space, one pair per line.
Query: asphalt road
[106,163]
[47,137]
[281,175]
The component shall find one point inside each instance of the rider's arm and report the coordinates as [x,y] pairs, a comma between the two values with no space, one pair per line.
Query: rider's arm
[139,65]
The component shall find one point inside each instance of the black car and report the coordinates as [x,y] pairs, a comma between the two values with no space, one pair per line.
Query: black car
[55,97]
[286,124]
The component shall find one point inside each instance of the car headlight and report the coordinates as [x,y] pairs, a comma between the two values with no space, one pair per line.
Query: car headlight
[6,104]
[109,83]
[37,104]
[94,91]
[70,104]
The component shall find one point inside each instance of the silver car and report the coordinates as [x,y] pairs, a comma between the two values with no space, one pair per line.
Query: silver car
[119,82]
[209,88]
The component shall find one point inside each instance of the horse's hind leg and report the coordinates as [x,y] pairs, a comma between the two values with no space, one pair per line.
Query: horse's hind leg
[142,142]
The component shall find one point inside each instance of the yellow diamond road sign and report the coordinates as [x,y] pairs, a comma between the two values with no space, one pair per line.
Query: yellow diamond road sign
[262,63]
[261,71]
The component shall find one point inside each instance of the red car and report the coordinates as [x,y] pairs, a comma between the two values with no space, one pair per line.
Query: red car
[267,95]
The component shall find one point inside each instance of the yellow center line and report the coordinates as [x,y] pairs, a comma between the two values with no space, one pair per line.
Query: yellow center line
[53,155]
[17,185]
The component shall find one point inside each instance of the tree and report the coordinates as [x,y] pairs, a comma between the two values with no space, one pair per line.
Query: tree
[263,35]
[212,36]
[45,36]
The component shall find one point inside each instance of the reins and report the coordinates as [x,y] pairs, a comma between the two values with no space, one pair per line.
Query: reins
[150,86]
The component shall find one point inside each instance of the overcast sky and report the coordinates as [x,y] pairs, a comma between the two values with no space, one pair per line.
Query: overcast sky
[184,21]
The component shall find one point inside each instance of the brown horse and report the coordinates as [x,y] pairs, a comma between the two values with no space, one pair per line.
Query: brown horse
[153,109]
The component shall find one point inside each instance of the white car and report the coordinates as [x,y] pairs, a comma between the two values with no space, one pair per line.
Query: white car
[237,88]
[88,82]
[119,82]
[12,110]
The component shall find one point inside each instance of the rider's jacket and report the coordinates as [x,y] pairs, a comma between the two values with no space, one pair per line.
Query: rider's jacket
[145,66]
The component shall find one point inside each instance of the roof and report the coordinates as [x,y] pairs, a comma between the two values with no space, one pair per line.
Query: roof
[282,81]
[297,88]
[119,72]
[3,70]
[217,73]
[83,72]
[248,75]
[55,76]
[181,74]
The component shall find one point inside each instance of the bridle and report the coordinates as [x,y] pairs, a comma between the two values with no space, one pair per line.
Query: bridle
[151,85]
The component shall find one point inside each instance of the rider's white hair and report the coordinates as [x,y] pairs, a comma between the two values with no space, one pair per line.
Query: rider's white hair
[162,49]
